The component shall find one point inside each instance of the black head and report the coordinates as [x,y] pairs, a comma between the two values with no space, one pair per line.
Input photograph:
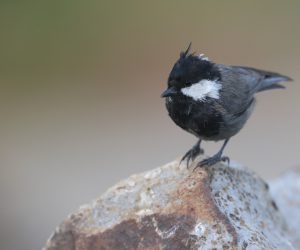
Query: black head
[189,69]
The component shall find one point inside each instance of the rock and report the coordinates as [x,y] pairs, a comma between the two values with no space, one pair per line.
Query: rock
[286,192]
[170,207]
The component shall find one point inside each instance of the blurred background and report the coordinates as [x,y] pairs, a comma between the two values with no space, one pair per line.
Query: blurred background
[80,102]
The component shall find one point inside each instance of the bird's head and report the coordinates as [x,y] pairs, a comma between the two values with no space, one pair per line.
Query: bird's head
[192,75]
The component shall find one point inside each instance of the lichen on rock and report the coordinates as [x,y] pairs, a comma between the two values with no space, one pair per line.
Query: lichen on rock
[218,207]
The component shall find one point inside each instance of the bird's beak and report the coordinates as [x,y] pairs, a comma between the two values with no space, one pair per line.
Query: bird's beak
[169,92]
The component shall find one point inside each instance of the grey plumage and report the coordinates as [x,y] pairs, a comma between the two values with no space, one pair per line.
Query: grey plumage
[214,101]
[237,97]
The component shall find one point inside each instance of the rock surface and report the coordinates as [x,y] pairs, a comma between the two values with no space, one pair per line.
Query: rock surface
[171,207]
[286,192]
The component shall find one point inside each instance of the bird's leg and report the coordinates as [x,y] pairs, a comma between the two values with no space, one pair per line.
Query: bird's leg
[192,153]
[214,159]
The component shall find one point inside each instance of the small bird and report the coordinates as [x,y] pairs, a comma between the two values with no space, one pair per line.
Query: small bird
[213,101]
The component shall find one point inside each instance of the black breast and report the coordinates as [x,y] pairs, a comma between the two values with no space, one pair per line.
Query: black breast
[198,118]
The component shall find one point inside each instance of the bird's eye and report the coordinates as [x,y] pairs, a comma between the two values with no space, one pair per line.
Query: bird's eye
[178,79]
[172,82]
[175,81]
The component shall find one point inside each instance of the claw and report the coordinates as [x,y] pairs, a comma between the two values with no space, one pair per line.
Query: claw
[192,154]
[226,159]
[212,161]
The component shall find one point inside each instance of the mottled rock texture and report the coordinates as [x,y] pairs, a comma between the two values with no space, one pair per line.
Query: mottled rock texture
[286,192]
[170,207]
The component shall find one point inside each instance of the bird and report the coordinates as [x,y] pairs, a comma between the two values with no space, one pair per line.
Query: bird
[213,101]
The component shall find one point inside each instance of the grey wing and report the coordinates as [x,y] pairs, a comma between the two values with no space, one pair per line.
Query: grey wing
[239,85]
[270,80]
[238,88]
[236,100]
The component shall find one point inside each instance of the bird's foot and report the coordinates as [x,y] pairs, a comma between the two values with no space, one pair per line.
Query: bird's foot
[192,154]
[212,161]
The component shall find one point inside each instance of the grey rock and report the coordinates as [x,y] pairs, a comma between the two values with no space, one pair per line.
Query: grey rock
[170,207]
[286,193]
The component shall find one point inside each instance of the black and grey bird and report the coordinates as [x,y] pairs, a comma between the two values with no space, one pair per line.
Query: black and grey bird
[213,101]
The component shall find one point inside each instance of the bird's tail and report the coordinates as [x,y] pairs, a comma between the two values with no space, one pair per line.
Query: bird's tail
[271,81]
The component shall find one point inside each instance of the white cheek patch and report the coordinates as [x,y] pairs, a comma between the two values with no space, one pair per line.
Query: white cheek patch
[202,89]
